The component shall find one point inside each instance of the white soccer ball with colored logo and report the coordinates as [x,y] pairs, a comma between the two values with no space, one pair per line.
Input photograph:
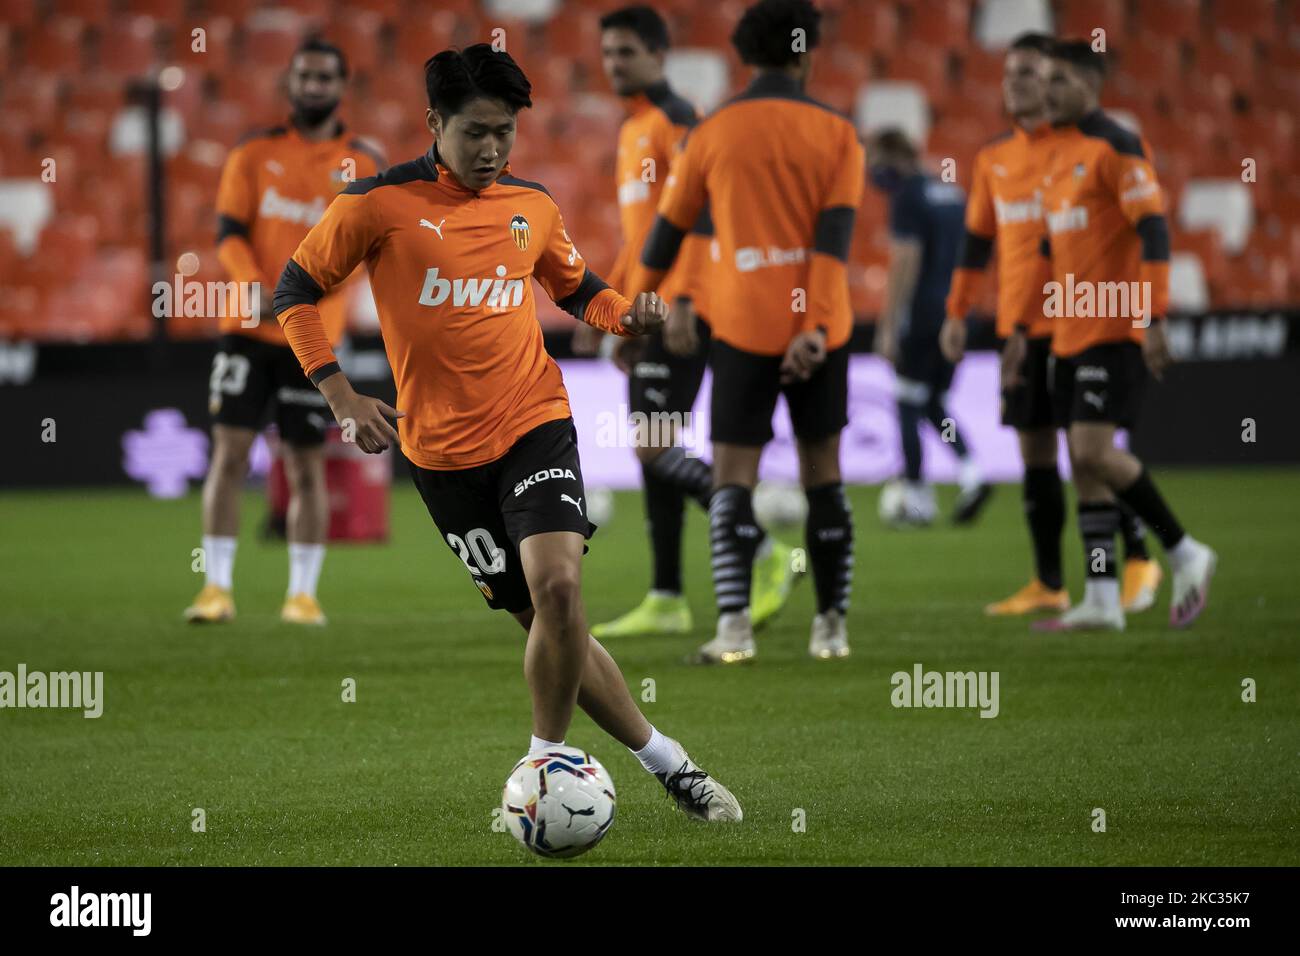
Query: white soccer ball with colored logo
[558,802]
[780,504]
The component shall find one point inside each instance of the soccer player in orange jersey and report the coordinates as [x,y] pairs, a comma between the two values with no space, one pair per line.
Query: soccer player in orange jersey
[452,241]
[275,186]
[1004,216]
[1108,244]
[782,175]
[664,370]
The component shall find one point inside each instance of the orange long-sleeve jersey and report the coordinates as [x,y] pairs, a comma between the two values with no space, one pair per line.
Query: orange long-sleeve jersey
[1004,215]
[274,187]
[648,142]
[451,271]
[1107,237]
[783,176]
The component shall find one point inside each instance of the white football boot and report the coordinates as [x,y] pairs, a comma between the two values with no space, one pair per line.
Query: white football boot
[734,641]
[1086,616]
[1192,574]
[830,638]
[697,794]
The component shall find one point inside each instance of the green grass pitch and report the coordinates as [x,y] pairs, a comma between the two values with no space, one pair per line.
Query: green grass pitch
[247,722]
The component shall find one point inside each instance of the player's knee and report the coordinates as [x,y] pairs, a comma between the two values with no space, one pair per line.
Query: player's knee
[557,596]
[1088,463]
[230,461]
[305,474]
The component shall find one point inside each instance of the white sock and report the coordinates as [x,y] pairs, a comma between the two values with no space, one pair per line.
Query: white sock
[219,559]
[304,567]
[659,755]
[969,476]
[537,743]
[1183,551]
[1102,591]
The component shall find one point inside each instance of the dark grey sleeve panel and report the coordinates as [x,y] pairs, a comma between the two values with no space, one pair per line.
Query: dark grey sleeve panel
[703,223]
[296,287]
[228,226]
[834,231]
[662,245]
[976,250]
[324,372]
[576,302]
[1154,230]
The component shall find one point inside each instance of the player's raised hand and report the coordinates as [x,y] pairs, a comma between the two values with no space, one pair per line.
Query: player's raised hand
[648,313]
[1155,350]
[1013,360]
[805,353]
[952,340]
[364,416]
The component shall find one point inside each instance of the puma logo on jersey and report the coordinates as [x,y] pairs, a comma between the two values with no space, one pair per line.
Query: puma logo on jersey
[498,294]
[1095,400]
[275,167]
[577,504]
[275,206]
[546,474]
[429,225]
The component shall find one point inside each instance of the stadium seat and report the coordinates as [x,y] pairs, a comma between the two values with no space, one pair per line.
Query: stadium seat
[25,207]
[864,27]
[357,34]
[944,24]
[1188,290]
[270,37]
[129,132]
[886,104]
[529,11]
[56,47]
[1079,18]
[1221,204]
[926,66]
[126,46]
[217,41]
[1161,21]
[424,35]
[998,22]
[1252,18]
[700,75]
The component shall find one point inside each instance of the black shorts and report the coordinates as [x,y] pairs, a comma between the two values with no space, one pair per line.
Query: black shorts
[1029,404]
[922,373]
[746,386]
[253,380]
[484,512]
[664,382]
[1102,384]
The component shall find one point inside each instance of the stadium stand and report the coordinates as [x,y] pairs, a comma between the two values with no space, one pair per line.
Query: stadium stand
[1211,84]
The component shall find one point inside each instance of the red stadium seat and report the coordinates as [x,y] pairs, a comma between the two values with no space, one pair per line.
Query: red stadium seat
[924,65]
[57,46]
[866,27]
[944,24]
[356,33]
[126,46]
[1167,20]
[424,35]
[1077,19]
[1251,18]
[217,41]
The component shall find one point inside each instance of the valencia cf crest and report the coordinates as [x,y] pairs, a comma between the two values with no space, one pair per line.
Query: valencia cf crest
[519,230]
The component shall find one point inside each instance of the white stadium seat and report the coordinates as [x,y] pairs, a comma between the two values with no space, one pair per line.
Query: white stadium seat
[130,131]
[901,104]
[26,205]
[1188,290]
[998,22]
[1220,204]
[698,74]
[532,11]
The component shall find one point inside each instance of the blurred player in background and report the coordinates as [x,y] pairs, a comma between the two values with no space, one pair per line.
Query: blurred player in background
[925,227]
[275,186]
[782,176]
[1106,230]
[1005,213]
[453,241]
[664,369]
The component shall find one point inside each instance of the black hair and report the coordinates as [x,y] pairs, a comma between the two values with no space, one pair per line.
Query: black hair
[453,77]
[317,45]
[644,21]
[892,141]
[1038,42]
[764,37]
[1080,54]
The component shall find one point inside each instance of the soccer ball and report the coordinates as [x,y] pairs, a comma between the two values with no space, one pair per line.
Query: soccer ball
[600,506]
[558,802]
[779,504]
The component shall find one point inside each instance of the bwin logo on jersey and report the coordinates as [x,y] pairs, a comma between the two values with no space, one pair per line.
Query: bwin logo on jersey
[544,475]
[519,230]
[501,293]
